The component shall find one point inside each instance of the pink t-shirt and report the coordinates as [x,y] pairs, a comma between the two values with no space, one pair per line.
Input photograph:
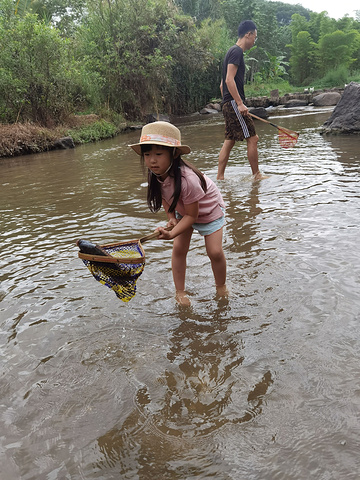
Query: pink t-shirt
[210,202]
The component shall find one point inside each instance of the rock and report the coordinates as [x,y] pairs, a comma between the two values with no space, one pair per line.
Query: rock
[345,117]
[64,143]
[214,106]
[256,102]
[259,112]
[296,102]
[206,111]
[327,99]
[295,99]
[157,117]
[274,98]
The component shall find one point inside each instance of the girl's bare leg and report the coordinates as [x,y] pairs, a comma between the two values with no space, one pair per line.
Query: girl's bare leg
[215,252]
[180,249]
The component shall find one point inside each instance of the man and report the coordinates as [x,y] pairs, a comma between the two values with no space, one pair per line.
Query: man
[238,123]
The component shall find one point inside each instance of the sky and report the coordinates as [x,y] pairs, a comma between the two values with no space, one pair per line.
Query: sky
[335,8]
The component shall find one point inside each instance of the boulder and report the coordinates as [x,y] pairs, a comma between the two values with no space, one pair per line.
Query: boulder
[207,111]
[257,102]
[157,117]
[259,112]
[296,102]
[214,106]
[345,117]
[326,99]
[295,99]
[64,143]
[274,98]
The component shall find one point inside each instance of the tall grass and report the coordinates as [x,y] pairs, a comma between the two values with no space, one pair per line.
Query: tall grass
[94,132]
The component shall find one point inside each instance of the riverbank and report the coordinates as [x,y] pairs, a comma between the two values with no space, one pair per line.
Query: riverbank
[22,139]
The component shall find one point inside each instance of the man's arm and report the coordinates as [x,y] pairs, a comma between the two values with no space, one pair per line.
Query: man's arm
[231,85]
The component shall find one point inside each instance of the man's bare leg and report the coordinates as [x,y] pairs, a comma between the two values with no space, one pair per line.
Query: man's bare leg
[253,157]
[252,154]
[224,157]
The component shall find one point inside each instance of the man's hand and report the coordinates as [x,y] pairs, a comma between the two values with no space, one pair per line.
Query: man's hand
[243,109]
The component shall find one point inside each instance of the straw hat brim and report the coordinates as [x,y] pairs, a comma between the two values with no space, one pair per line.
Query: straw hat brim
[184,149]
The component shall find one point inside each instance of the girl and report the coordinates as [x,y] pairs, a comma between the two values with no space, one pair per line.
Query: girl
[191,201]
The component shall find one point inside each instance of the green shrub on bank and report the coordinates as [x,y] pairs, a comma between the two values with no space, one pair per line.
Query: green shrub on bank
[261,89]
[335,78]
[94,132]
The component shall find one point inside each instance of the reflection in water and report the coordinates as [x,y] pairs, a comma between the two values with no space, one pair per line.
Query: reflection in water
[263,386]
[241,221]
[203,389]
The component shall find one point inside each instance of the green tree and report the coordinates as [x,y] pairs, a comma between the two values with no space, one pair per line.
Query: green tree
[336,49]
[274,68]
[303,60]
[36,75]
[149,56]
[200,9]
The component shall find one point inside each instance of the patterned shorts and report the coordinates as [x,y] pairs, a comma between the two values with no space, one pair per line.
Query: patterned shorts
[236,129]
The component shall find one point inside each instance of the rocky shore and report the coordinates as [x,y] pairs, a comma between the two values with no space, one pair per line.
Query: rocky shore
[345,118]
[258,105]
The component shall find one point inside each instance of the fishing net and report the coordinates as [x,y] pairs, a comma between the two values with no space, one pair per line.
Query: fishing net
[287,138]
[116,265]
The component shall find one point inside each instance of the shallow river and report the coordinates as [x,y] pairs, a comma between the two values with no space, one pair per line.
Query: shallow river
[264,386]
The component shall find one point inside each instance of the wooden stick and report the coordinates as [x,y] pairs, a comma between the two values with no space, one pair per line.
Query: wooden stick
[153,235]
[273,125]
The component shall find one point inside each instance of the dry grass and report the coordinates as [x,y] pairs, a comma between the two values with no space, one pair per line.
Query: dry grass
[20,139]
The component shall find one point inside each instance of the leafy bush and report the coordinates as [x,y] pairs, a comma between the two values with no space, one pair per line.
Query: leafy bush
[93,132]
[335,78]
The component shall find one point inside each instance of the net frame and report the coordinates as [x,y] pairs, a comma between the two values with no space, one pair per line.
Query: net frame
[119,268]
[287,138]
[113,249]
[117,265]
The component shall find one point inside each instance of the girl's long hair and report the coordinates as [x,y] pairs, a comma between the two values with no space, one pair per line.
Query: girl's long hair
[154,198]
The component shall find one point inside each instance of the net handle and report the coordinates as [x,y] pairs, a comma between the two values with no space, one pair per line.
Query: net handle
[291,133]
[154,234]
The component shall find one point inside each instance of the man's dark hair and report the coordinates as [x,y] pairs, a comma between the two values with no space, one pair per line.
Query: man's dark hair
[245,27]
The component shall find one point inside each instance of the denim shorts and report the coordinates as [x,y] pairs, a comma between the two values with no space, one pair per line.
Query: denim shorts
[207,228]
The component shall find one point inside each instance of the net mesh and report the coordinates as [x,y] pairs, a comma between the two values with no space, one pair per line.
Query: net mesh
[120,277]
[287,138]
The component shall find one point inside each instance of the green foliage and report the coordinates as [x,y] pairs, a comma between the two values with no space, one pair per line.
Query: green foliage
[261,88]
[273,68]
[334,78]
[148,56]
[37,75]
[200,9]
[304,57]
[128,58]
[319,46]
[336,49]
[94,132]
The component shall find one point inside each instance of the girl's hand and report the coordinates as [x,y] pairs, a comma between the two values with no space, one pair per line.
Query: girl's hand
[164,234]
[172,222]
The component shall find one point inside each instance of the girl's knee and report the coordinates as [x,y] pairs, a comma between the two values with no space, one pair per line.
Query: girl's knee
[180,250]
[216,255]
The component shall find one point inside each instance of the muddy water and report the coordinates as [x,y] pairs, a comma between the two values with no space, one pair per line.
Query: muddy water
[265,386]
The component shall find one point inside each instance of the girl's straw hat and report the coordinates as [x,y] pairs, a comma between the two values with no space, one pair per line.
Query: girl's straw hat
[160,133]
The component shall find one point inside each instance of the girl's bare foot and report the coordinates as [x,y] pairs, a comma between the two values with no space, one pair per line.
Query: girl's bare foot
[222,292]
[182,298]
